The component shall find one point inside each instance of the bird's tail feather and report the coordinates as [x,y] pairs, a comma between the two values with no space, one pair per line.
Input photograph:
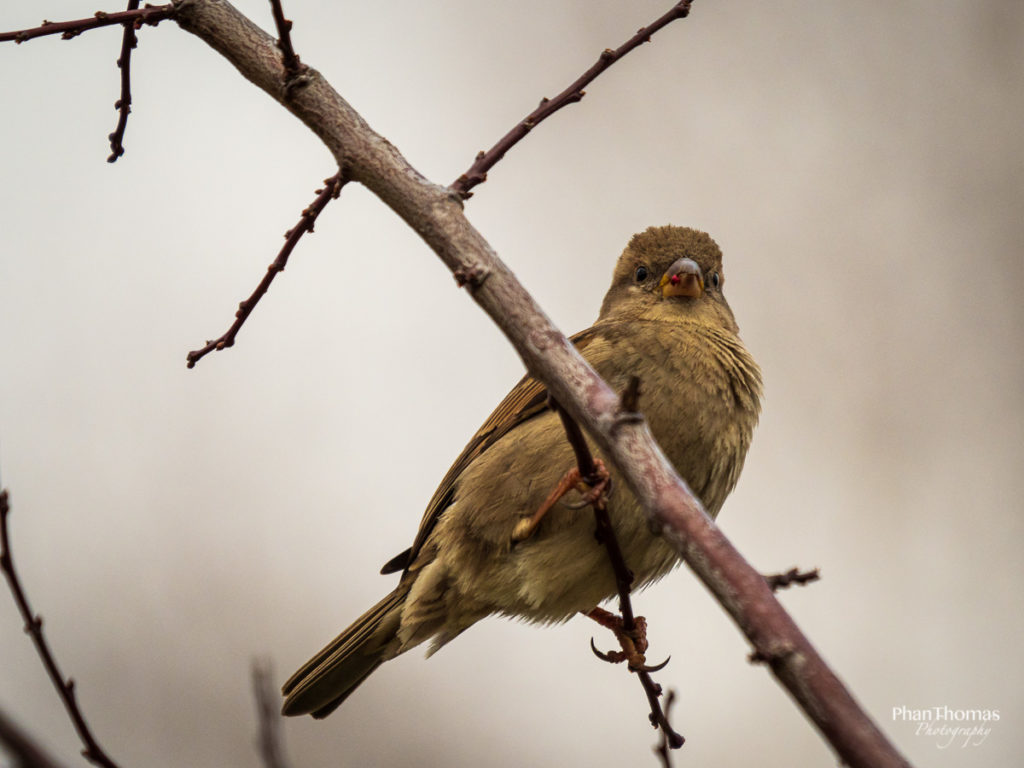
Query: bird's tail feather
[326,680]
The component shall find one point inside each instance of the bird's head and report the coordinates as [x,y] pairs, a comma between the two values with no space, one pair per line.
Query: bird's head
[669,273]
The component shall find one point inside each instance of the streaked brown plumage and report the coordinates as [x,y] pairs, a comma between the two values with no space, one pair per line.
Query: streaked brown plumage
[665,320]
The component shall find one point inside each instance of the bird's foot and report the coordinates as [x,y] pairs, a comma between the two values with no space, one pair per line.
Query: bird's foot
[591,488]
[632,641]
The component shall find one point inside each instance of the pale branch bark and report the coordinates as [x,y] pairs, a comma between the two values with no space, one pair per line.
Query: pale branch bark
[435,213]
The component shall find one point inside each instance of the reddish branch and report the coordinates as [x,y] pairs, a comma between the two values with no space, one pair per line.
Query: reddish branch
[133,18]
[331,190]
[34,627]
[477,173]
[124,104]
[284,40]
[605,534]
[151,14]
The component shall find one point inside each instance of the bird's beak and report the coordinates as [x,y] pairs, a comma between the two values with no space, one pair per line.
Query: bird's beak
[683,278]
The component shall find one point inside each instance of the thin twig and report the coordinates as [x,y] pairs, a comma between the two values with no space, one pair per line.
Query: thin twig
[659,716]
[284,40]
[268,715]
[477,173]
[124,104]
[331,190]
[623,576]
[779,581]
[22,748]
[151,14]
[662,750]
[34,627]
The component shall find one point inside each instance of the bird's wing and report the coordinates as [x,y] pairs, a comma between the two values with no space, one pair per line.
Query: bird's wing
[527,399]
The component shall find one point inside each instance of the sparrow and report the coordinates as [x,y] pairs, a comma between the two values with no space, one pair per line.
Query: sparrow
[664,320]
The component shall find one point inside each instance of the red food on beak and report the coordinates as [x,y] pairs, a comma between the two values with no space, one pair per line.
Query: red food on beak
[683,278]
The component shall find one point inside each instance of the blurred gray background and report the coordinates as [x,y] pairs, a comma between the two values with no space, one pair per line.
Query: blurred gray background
[862,167]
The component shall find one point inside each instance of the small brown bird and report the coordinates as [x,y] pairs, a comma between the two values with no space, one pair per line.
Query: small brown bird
[664,320]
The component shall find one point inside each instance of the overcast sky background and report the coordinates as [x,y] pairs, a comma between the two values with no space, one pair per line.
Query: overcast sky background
[862,167]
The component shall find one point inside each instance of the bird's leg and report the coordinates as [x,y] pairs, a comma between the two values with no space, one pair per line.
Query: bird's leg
[524,528]
[591,488]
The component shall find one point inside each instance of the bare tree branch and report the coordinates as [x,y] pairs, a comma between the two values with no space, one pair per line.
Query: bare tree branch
[662,750]
[23,749]
[34,627]
[605,533]
[268,715]
[124,104]
[777,581]
[284,39]
[435,213]
[151,14]
[477,173]
[331,190]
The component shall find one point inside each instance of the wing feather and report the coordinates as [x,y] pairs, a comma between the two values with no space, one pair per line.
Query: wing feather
[527,399]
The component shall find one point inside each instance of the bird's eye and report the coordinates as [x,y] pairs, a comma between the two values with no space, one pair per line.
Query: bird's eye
[641,273]
[715,279]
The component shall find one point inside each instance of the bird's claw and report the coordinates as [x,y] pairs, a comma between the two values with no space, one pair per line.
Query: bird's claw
[636,660]
[646,668]
[609,657]
[633,642]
